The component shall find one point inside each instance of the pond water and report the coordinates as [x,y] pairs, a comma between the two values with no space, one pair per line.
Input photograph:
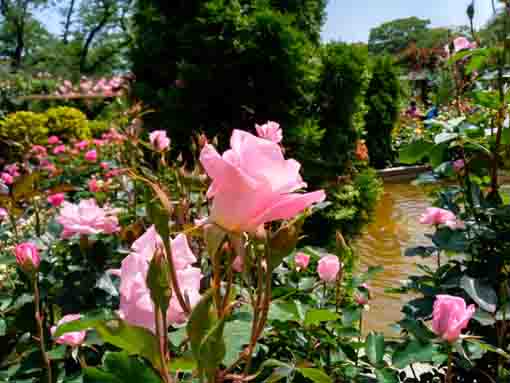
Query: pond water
[383,242]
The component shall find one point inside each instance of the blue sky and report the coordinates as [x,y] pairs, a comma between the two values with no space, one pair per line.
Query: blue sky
[351,20]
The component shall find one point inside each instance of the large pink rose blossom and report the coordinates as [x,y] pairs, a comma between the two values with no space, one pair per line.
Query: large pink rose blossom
[73,339]
[27,256]
[87,218]
[450,316]
[159,140]
[136,306]
[253,184]
[328,268]
[438,216]
[301,260]
[270,131]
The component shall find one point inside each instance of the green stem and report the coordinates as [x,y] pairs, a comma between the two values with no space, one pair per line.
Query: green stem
[159,322]
[14,227]
[40,328]
[449,371]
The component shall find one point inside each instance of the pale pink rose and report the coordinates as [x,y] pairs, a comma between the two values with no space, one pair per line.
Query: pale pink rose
[301,260]
[253,184]
[3,214]
[73,339]
[328,268]
[104,165]
[91,155]
[12,169]
[458,165]
[53,140]
[7,178]
[238,264]
[59,149]
[136,306]
[81,145]
[270,131]
[56,199]
[438,216]
[450,316]
[159,140]
[27,256]
[99,142]
[461,43]
[87,218]
[39,150]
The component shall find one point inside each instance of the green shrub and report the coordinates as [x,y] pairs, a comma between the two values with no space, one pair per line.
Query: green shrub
[383,101]
[97,127]
[24,127]
[67,122]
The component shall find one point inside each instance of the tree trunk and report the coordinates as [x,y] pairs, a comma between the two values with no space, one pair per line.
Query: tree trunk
[67,25]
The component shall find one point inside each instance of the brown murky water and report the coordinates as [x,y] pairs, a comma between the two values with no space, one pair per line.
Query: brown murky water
[383,242]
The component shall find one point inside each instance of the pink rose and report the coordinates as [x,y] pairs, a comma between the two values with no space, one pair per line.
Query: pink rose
[56,199]
[7,178]
[12,169]
[328,268]
[91,155]
[39,150]
[3,214]
[99,142]
[73,339]
[461,43]
[27,256]
[104,165]
[53,140]
[86,218]
[438,216]
[93,186]
[450,316]
[270,131]
[238,264]
[159,140]
[458,165]
[59,149]
[81,145]
[253,184]
[136,306]
[301,260]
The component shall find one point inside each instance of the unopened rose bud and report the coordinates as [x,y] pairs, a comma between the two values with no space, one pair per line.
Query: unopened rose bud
[27,257]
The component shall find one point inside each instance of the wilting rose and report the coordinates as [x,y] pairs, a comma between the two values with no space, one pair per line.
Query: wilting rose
[253,184]
[450,316]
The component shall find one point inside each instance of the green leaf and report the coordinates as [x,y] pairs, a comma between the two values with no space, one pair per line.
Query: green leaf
[482,293]
[505,136]
[199,322]
[483,317]
[283,311]
[212,350]
[445,137]
[315,374]
[182,364]
[437,155]
[58,352]
[315,316]
[3,327]
[412,352]
[237,335]
[417,329]
[488,347]
[420,251]
[374,348]
[213,236]
[119,367]
[487,99]
[386,375]
[415,152]
[504,312]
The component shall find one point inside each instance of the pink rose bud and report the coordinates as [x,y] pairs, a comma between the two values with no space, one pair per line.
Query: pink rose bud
[53,140]
[328,268]
[59,149]
[361,298]
[7,178]
[301,260]
[27,256]
[238,264]
[3,214]
[93,186]
[12,169]
[73,339]
[458,165]
[159,140]
[104,165]
[270,131]
[81,145]
[56,199]
[91,155]
[438,216]
[450,317]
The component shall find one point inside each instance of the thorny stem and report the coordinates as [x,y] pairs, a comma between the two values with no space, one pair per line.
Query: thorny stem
[161,336]
[40,328]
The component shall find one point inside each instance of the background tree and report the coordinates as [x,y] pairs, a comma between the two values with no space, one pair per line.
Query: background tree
[394,36]
[383,101]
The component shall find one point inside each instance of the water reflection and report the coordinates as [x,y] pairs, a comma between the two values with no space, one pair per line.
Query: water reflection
[395,228]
